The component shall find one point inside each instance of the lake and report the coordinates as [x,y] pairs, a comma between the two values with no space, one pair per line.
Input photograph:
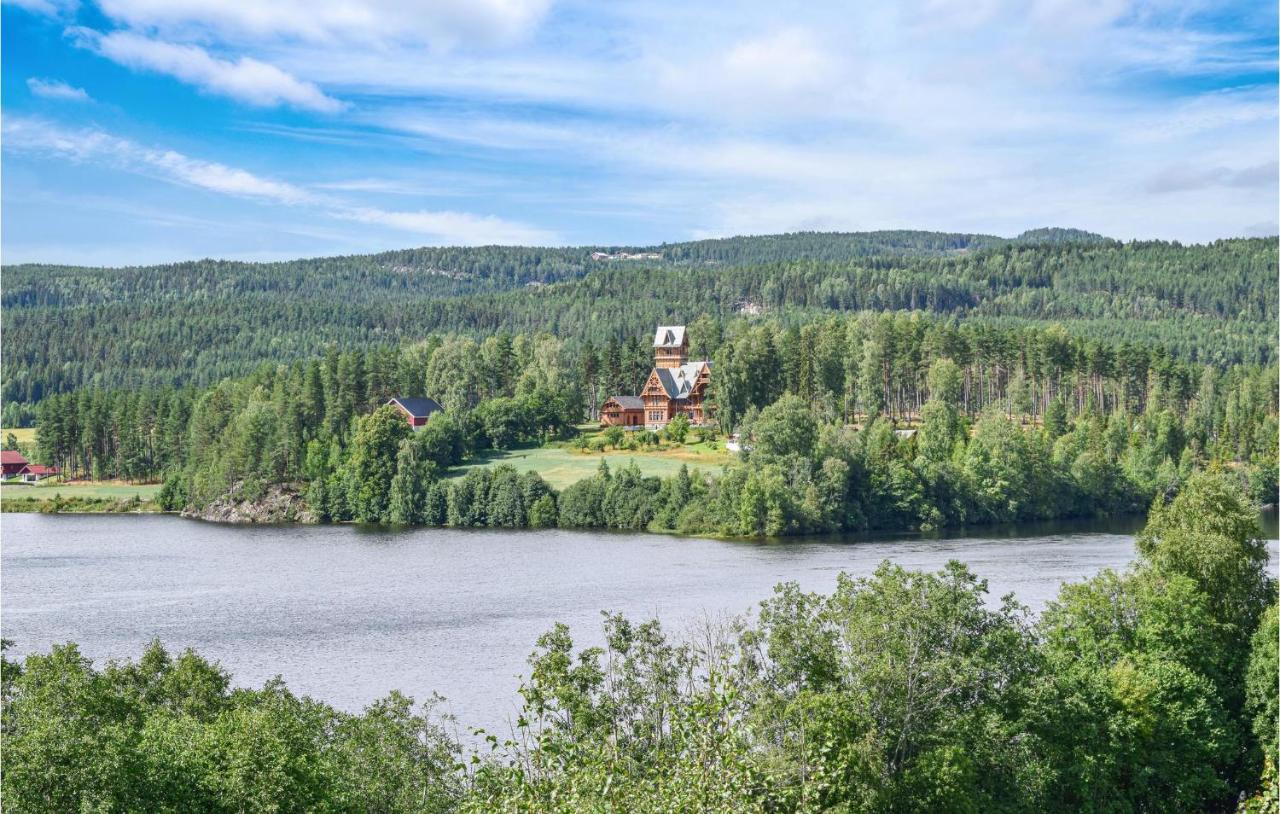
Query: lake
[346,614]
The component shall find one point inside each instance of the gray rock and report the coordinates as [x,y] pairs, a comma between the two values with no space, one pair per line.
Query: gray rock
[279,503]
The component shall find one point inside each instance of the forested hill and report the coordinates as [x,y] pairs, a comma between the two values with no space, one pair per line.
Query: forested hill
[452,270]
[457,270]
[68,327]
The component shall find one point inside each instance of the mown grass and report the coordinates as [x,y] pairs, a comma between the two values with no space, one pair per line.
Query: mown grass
[562,464]
[87,496]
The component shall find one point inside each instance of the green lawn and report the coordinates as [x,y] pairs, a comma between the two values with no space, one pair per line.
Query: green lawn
[82,489]
[561,466]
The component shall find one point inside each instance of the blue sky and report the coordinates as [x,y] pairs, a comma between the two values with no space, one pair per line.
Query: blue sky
[140,131]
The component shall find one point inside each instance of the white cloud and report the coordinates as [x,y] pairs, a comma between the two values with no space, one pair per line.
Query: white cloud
[788,72]
[878,65]
[47,8]
[85,145]
[440,23]
[1186,178]
[457,227]
[381,185]
[991,115]
[221,178]
[56,89]
[37,136]
[788,61]
[244,79]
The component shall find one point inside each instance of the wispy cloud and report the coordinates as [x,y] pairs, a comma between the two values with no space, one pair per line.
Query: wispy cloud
[1187,178]
[443,23]
[244,79]
[47,8]
[30,135]
[460,227]
[637,121]
[56,89]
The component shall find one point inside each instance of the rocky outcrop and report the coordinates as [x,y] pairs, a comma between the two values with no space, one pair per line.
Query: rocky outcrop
[279,503]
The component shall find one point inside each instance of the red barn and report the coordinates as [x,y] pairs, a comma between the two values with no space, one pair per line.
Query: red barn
[416,410]
[12,462]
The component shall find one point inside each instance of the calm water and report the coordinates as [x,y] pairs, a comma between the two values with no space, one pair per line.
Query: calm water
[346,614]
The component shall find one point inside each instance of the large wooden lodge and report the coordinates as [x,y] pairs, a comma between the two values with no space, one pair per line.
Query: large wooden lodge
[675,386]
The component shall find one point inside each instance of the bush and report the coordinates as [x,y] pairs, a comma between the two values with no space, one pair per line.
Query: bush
[172,496]
[613,436]
[677,429]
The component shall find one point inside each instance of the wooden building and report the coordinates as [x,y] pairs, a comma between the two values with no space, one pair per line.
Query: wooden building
[34,473]
[416,410]
[622,411]
[670,346]
[672,391]
[12,461]
[675,386]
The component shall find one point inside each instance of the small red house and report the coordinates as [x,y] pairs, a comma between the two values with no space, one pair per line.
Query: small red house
[622,411]
[34,473]
[12,462]
[416,410]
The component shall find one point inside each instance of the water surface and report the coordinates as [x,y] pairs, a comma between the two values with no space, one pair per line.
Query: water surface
[346,614]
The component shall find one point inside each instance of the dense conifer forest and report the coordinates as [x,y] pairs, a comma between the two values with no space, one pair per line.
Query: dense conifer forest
[883,380]
[1006,424]
[1148,690]
[197,323]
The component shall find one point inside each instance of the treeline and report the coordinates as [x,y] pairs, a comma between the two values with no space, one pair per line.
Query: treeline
[867,422]
[196,323]
[799,476]
[264,422]
[1148,690]
[879,364]
[829,246]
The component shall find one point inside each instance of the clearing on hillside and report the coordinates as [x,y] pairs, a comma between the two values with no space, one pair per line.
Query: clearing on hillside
[562,466]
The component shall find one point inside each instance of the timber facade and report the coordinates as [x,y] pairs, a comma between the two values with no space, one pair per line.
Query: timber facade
[675,386]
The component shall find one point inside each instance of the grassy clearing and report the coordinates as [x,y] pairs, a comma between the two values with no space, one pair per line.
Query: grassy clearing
[114,490]
[562,464]
[25,435]
[78,495]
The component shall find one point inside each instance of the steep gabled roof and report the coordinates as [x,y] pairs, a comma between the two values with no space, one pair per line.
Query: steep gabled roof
[669,336]
[11,456]
[417,407]
[628,402]
[678,381]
